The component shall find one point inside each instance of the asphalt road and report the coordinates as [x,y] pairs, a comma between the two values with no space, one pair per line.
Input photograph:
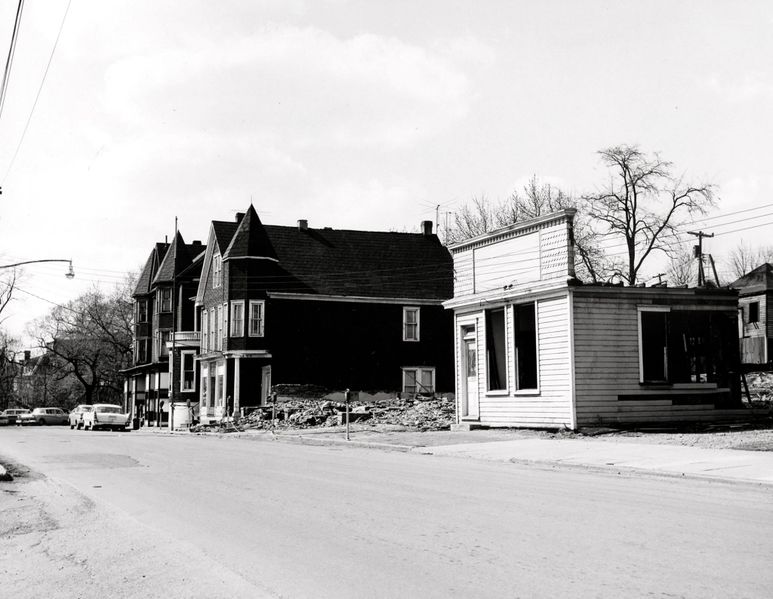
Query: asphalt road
[98,514]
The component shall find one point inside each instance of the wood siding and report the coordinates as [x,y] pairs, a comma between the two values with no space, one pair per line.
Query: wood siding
[606,340]
[551,405]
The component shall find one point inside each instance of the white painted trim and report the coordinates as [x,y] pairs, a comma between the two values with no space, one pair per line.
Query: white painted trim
[516,390]
[417,323]
[319,297]
[248,353]
[262,304]
[232,332]
[228,257]
[572,363]
[473,303]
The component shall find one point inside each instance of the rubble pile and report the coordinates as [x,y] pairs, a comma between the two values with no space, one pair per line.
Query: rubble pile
[422,413]
[760,389]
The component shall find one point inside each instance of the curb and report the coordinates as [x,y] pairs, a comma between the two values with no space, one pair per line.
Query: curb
[327,441]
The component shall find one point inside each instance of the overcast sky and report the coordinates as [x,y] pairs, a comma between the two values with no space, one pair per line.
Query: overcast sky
[358,115]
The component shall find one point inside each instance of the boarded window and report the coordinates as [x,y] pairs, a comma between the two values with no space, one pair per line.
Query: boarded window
[525,337]
[496,359]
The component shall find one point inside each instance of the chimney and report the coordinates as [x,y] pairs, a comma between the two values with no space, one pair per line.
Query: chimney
[303,225]
[426,227]
[239,216]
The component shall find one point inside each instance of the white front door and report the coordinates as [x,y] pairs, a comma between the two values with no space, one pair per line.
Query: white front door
[470,378]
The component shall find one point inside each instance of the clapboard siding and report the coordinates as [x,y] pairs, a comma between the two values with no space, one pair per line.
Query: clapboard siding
[551,405]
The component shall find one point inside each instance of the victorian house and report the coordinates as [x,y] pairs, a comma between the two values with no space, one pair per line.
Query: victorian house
[164,326]
[336,308]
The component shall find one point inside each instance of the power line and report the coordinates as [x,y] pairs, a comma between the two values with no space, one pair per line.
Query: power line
[40,89]
[11,53]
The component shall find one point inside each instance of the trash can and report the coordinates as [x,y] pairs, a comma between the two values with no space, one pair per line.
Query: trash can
[135,423]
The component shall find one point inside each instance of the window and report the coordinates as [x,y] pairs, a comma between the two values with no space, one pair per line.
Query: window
[754,312]
[161,339]
[204,331]
[142,351]
[496,360]
[224,330]
[188,371]
[410,324]
[237,319]
[219,332]
[205,401]
[685,346]
[142,311]
[165,300]
[419,380]
[525,342]
[257,309]
[217,271]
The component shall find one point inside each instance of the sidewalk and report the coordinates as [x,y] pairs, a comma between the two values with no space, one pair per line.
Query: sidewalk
[528,447]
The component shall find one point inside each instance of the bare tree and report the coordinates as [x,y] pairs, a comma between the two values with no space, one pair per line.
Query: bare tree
[89,342]
[7,285]
[9,369]
[682,269]
[535,199]
[643,204]
[744,258]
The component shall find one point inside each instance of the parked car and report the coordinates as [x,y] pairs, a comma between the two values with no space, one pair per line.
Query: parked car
[105,416]
[11,415]
[75,418]
[44,416]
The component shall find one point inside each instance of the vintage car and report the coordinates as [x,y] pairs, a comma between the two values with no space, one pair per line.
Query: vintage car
[44,416]
[75,417]
[105,416]
[11,415]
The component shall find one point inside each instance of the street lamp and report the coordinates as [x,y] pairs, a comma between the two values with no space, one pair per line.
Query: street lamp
[70,274]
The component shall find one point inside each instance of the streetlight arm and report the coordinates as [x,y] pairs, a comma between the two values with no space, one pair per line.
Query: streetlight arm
[69,274]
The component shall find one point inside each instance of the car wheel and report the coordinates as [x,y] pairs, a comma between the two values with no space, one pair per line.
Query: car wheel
[41,422]
[72,426]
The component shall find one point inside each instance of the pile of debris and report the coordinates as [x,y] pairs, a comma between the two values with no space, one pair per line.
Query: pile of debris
[424,413]
[761,389]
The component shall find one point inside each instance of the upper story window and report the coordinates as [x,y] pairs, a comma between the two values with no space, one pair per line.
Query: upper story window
[142,310]
[754,312]
[237,318]
[217,271]
[165,300]
[219,335]
[257,310]
[410,324]
[205,330]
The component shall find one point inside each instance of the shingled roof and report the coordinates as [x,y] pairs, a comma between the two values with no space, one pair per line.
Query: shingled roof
[250,238]
[758,280]
[178,257]
[145,280]
[360,263]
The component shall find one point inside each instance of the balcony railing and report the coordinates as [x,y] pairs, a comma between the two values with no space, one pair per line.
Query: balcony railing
[187,337]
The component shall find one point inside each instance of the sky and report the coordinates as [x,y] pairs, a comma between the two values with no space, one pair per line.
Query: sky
[359,115]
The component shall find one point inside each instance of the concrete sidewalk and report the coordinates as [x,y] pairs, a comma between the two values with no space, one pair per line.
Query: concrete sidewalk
[717,464]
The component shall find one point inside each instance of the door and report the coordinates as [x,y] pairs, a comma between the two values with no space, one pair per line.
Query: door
[470,377]
[265,386]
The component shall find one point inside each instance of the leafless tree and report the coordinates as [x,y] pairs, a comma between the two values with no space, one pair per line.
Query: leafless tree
[535,199]
[89,342]
[643,205]
[9,369]
[745,258]
[7,285]
[682,269]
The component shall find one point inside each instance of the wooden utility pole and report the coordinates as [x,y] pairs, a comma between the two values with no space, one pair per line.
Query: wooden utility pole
[698,253]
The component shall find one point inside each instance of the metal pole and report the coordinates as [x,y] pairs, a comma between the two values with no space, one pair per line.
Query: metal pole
[273,410]
[346,401]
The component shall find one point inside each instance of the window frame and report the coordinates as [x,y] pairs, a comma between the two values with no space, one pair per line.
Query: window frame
[217,270]
[237,324]
[417,370]
[641,310]
[142,309]
[756,318]
[505,390]
[417,324]
[183,371]
[204,330]
[165,300]
[514,358]
[262,320]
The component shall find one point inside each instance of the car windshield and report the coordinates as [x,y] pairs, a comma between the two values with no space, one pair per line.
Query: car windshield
[109,409]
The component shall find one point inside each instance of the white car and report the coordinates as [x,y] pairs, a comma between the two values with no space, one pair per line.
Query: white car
[11,415]
[105,415]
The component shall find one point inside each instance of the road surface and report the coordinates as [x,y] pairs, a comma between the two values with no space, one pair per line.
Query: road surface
[99,514]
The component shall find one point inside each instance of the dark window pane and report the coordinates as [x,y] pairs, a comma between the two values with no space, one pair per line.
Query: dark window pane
[653,344]
[525,346]
[495,349]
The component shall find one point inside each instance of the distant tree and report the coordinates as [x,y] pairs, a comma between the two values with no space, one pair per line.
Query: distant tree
[682,269]
[744,258]
[89,341]
[7,285]
[535,199]
[643,205]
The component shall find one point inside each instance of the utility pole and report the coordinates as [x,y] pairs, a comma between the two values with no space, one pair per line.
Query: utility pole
[698,253]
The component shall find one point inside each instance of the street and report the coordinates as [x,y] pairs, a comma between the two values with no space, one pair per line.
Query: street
[97,514]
